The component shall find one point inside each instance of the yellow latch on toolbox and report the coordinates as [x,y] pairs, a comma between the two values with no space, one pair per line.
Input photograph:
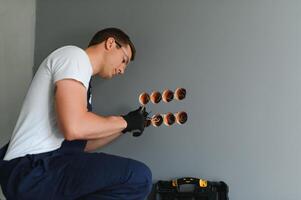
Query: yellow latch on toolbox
[203,183]
[174,183]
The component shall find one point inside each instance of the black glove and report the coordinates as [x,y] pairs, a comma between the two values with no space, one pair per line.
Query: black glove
[135,121]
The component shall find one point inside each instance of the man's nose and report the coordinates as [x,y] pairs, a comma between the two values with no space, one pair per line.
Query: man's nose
[121,71]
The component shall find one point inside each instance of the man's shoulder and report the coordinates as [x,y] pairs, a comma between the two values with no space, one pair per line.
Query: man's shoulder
[68,50]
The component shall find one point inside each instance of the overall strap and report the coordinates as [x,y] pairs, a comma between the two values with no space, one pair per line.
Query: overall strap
[89,96]
[2,153]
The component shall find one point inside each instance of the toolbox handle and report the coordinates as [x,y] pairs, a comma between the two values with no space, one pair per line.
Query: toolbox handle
[189,180]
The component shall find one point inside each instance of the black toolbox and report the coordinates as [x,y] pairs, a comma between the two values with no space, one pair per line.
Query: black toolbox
[190,188]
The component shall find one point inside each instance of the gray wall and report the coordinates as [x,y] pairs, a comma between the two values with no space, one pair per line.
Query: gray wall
[240,63]
[17,28]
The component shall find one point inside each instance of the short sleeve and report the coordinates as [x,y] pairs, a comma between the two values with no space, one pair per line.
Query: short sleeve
[71,64]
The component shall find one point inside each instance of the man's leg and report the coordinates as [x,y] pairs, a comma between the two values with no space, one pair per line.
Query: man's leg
[135,185]
[103,176]
[77,175]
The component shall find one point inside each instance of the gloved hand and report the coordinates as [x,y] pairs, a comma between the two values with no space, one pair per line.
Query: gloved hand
[135,121]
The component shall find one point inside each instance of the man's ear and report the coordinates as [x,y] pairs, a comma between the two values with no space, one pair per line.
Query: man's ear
[110,42]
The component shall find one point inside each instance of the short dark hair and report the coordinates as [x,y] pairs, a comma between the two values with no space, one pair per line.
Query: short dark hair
[117,34]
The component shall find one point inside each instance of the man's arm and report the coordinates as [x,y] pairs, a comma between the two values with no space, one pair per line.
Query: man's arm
[73,117]
[95,144]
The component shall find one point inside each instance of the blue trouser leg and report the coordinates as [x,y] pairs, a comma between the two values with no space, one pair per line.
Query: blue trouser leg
[102,176]
[71,174]
[133,182]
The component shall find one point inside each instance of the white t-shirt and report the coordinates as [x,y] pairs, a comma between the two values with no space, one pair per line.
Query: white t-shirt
[36,130]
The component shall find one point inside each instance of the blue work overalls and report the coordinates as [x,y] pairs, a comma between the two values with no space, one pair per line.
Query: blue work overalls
[69,173]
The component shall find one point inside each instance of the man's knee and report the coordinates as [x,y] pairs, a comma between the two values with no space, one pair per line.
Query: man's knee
[140,174]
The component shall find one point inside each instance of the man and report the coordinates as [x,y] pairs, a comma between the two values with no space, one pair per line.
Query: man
[50,154]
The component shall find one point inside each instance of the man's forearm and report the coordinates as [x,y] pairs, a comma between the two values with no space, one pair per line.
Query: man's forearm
[95,144]
[91,126]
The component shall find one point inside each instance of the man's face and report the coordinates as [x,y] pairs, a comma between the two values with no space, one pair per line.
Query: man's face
[117,60]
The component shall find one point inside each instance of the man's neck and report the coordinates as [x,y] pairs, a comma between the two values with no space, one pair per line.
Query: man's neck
[96,58]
